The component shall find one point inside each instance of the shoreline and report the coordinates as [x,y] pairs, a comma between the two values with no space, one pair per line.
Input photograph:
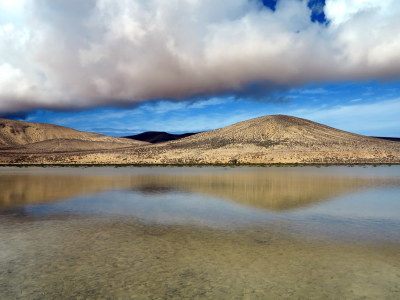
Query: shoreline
[202,165]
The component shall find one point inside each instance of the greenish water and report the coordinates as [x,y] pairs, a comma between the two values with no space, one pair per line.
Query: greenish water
[200,233]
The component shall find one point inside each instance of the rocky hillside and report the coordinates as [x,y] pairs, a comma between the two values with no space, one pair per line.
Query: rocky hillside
[32,135]
[275,130]
[268,139]
[280,138]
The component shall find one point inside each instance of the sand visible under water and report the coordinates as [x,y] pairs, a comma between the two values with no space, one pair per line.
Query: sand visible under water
[78,255]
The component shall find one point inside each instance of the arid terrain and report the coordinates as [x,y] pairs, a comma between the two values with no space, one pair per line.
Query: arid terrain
[26,136]
[268,139]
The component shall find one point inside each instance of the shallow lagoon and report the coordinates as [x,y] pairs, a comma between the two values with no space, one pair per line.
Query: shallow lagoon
[200,233]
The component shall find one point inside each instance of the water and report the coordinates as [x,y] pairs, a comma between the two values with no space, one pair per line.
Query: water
[200,233]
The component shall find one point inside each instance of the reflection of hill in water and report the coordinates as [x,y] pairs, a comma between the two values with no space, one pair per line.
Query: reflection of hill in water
[24,189]
[272,191]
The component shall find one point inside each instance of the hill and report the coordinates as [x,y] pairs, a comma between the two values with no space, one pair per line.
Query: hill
[279,139]
[41,136]
[275,130]
[268,139]
[155,137]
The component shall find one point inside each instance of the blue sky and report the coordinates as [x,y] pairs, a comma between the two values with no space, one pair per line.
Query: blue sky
[123,67]
[368,108]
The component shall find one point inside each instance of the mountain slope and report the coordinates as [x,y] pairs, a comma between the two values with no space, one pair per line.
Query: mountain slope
[21,134]
[280,138]
[275,130]
[268,139]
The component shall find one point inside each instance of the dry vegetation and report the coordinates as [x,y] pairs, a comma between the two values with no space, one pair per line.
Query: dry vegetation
[268,139]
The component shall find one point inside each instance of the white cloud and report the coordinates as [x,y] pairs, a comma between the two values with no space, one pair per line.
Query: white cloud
[342,11]
[73,54]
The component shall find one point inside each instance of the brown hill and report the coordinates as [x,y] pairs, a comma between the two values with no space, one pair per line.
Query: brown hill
[47,137]
[280,138]
[269,139]
[274,130]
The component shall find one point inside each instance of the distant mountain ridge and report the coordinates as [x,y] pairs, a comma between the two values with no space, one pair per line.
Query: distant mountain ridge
[155,137]
[394,139]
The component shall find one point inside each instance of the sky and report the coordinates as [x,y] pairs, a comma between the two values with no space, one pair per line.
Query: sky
[121,67]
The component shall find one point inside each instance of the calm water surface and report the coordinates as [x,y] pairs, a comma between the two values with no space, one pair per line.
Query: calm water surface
[200,233]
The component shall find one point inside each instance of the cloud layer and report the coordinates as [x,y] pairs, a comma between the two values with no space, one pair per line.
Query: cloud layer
[74,54]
